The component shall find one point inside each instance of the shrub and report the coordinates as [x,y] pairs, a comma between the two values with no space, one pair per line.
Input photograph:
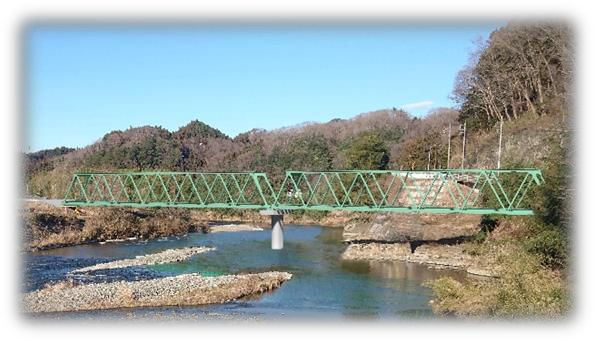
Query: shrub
[553,197]
[486,226]
[551,245]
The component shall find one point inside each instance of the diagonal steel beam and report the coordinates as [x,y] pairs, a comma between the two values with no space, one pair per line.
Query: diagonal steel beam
[351,190]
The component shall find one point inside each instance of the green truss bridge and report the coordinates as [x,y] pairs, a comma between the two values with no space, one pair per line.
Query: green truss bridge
[467,191]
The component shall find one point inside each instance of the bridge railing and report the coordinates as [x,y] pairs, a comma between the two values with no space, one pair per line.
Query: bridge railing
[469,191]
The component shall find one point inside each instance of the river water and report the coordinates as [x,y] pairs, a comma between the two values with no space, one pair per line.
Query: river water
[322,283]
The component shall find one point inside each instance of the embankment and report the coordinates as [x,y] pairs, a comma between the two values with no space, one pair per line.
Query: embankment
[47,226]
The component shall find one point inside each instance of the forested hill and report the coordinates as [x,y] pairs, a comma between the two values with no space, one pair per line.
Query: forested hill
[365,141]
[521,75]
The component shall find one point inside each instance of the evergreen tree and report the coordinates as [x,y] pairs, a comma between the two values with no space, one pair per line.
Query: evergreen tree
[367,151]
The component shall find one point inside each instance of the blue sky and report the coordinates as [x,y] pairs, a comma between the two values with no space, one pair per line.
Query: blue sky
[83,82]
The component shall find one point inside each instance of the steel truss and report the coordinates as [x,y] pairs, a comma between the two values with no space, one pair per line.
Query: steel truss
[466,191]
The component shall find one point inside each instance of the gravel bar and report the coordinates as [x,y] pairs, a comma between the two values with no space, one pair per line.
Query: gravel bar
[167,256]
[181,290]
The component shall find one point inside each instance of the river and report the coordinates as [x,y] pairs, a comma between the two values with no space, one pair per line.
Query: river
[322,285]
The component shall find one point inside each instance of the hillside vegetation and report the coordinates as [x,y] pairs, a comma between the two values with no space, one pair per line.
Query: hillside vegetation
[371,140]
[520,76]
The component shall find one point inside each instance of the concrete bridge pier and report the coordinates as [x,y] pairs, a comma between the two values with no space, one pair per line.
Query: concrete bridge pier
[276,228]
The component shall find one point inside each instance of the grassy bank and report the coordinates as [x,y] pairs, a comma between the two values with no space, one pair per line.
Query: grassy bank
[531,280]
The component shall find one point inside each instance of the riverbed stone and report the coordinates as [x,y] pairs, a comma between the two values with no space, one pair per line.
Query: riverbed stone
[400,228]
[442,255]
[482,272]
[186,289]
[377,251]
[163,257]
[431,254]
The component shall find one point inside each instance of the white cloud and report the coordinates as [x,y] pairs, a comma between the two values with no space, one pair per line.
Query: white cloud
[417,105]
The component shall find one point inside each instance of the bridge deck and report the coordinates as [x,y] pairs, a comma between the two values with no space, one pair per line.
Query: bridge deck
[469,191]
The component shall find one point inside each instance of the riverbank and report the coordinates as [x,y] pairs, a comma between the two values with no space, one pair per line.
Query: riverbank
[526,282]
[523,287]
[48,227]
[436,241]
[181,290]
[432,254]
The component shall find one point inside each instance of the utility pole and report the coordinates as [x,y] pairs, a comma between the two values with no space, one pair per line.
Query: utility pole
[429,157]
[448,157]
[500,143]
[429,154]
[464,141]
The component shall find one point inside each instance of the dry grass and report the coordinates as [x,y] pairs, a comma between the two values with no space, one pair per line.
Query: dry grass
[49,227]
[516,228]
[524,288]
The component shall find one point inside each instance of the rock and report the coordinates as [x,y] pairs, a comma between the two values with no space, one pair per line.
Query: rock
[433,254]
[382,228]
[480,272]
[442,255]
[377,251]
[412,227]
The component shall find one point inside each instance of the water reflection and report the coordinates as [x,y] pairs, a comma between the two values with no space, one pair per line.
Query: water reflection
[410,271]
